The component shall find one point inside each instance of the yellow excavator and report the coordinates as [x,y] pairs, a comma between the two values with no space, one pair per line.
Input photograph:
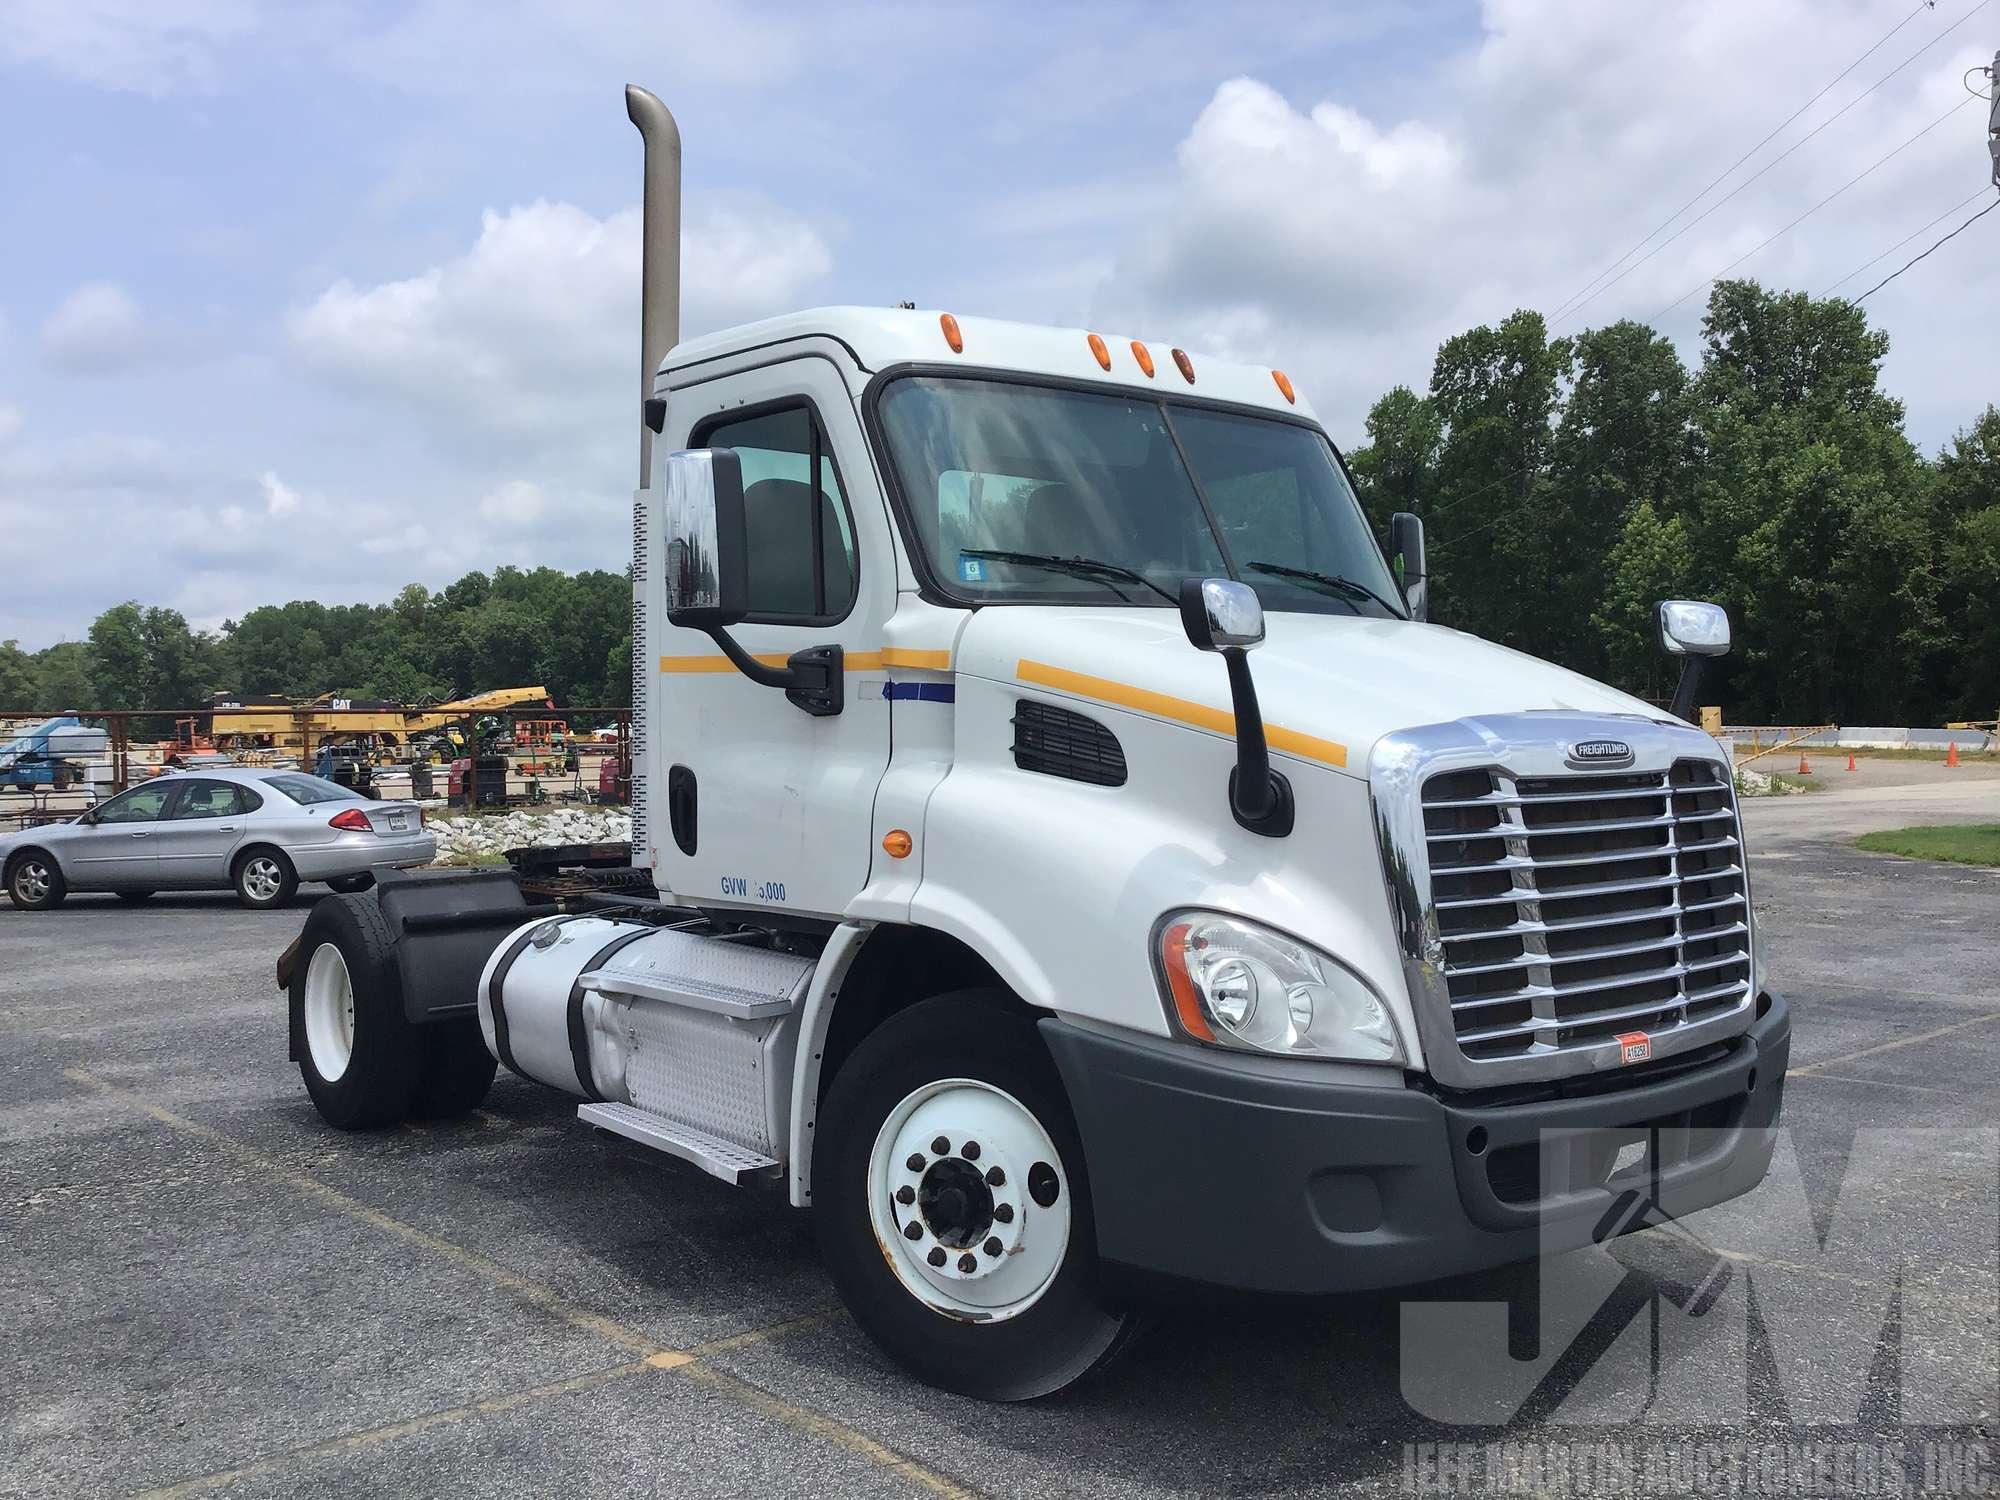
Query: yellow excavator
[274,724]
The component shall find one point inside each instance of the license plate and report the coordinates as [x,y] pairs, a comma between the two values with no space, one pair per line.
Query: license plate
[397,822]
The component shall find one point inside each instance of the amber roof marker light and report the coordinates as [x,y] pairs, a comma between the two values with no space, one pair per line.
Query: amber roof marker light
[951,334]
[1184,365]
[1145,357]
[1097,348]
[1285,387]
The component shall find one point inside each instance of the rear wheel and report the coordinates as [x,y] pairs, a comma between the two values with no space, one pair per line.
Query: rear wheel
[952,1205]
[358,1053]
[264,878]
[35,881]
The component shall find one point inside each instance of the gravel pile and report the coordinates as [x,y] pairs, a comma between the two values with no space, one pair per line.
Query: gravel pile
[463,840]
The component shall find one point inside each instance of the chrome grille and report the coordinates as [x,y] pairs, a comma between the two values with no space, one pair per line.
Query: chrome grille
[1570,909]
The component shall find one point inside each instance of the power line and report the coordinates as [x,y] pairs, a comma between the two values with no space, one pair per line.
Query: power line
[1753,250]
[1921,6]
[1774,161]
[1915,258]
[1920,229]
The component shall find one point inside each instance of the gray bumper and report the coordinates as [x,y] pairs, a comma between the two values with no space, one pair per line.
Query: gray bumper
[1216,1167]
[362,854]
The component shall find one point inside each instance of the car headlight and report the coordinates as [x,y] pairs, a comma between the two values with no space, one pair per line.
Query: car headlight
[1234,983]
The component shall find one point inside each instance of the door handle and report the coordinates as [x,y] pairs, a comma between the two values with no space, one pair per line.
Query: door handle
[141,833]
[227,828]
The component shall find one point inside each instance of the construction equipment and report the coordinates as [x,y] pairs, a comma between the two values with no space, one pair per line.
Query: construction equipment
[51,756]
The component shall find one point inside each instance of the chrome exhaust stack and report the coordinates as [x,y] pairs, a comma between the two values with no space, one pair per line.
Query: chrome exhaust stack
[660,249]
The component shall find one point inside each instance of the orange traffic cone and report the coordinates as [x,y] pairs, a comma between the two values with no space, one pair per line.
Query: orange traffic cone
[1951,756]
[1850,760]
[1804,769]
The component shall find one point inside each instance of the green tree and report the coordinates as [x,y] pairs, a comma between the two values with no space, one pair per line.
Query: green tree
[119,670]
[1649,562]
[19,685]
[1965,667]
[1397,468]
[62,678]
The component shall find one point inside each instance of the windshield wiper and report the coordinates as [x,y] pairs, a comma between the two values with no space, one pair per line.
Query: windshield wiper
[1332,581]
[1082,567]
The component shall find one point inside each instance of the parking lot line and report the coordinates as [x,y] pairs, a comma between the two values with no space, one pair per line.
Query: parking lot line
[653,1355]
[1900,1042]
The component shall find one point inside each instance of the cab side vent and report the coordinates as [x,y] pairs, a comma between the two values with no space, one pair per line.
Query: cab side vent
[1056,742]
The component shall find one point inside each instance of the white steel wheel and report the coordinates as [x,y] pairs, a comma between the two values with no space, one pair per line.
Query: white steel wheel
[329,1012]
[262,878]
[967,1196]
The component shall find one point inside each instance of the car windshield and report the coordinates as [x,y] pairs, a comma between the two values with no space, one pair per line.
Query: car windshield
[310,789]
[1023,493]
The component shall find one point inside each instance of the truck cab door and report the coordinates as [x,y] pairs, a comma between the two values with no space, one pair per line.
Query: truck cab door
[753,802]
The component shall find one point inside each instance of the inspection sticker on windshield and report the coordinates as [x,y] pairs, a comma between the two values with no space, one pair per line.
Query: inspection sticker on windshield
[971,569]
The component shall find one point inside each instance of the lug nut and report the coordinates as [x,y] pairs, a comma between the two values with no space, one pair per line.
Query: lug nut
[1003,1213]
[906,1194]
[913,1230]
[970,1151]
[916,1161]
[937,1255]
[968,1263]
[995,1177]
[941,1146]
[992,1245]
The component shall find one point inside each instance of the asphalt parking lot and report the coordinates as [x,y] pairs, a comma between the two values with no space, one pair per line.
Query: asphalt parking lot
[204,1291]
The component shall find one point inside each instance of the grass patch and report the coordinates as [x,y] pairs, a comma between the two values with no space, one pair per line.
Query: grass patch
[1991,757]
[1967,844]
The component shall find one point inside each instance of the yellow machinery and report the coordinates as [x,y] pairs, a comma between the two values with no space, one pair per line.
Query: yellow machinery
[271,723]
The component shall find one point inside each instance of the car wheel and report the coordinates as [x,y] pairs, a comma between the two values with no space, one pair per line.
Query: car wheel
[952,1205]
[348,884]
[135,895]
[264,878]
[457,1070]
[35,881]
[357,1051]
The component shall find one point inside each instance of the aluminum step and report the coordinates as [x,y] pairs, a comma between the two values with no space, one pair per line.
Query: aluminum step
[715,1156]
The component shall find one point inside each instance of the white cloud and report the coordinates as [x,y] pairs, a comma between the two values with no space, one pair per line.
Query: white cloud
[518,502]
[12,418]
[1309,234]
[98,328]
[280,499]
[528,337]
[143,46]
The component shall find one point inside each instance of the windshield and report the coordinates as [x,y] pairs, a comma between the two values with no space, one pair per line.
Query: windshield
[310,789]
[1135,485]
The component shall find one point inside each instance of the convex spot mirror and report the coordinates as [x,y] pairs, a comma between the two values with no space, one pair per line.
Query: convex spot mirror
[702,540]
[1221,614]
[1689,627]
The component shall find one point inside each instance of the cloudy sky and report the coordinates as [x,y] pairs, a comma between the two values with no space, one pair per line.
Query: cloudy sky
[318,298]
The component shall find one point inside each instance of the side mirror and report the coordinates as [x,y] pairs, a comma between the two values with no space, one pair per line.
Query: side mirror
[1693,631]
[1222,615]
[1406,540]
[705,571]
[706,567]
[1689,627]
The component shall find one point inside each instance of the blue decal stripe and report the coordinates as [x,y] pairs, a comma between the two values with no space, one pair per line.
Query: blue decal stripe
[921,692]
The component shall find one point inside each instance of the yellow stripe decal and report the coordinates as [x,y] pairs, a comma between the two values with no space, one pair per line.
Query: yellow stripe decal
[1200,715]
[855,661]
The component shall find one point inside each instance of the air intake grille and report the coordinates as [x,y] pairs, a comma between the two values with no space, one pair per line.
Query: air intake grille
[1057,742]
[1576,908]
[641,657]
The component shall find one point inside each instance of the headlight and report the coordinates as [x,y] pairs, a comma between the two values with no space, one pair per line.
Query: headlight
[1237,984]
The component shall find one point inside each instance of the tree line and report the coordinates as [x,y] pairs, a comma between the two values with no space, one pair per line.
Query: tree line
[1567,483]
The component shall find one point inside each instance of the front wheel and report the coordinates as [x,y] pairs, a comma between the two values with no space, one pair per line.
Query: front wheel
[35,882]
[953,1208]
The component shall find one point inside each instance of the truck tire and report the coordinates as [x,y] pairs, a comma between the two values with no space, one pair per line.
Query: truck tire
[263,878]
[952,1206]
[35,881]
[358,1053]
[457,1070]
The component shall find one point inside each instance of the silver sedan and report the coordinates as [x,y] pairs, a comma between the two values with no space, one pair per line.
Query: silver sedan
[256,832]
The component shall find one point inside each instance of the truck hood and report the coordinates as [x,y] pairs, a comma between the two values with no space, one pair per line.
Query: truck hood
[1329,685]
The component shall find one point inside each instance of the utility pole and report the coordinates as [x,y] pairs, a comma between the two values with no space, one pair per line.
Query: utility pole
[1993,118]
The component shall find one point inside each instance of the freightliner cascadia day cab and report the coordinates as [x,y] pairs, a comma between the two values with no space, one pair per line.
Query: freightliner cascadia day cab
[1021,920]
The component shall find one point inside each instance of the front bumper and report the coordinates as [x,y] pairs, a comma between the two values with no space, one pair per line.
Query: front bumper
[1223,1168]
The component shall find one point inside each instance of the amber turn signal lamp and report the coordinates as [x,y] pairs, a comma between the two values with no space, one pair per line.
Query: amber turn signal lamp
[951,334]
[1184,364]
[1145,357]
[1187,1004]
[1097,347]
[897,844]
[1285,386]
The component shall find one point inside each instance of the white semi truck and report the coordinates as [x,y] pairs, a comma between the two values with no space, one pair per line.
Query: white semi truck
[1012,921]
